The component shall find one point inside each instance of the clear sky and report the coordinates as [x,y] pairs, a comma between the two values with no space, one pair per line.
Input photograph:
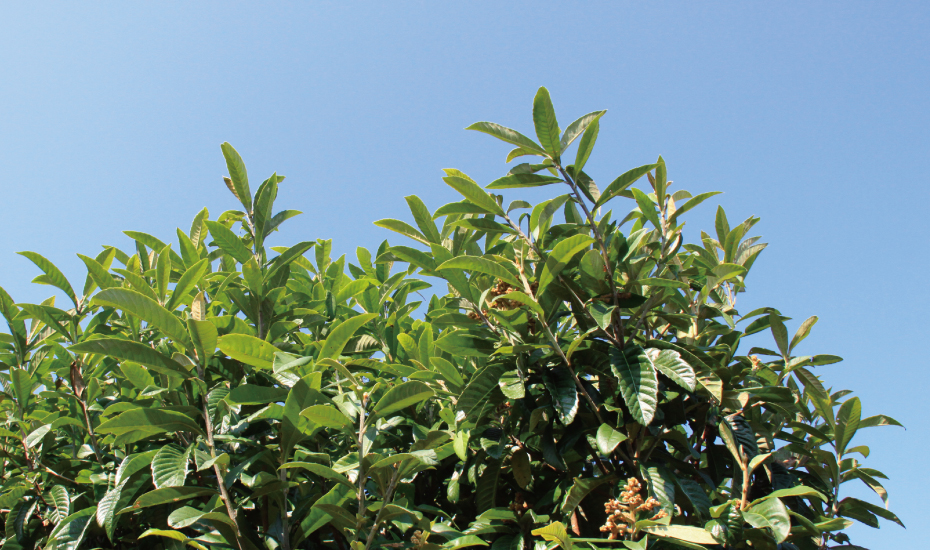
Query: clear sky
[812,115]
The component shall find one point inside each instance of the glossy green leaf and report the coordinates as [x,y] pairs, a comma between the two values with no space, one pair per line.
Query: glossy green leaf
[586,146]
[847,422]
[70,532]
[547,127]
[481,265]
[518,181]
[622,182]
[555,532]
[132,351]
[608,438]
[149,420]
[770,513]
[561,254]
[168,495]
[473,192]
[402,396]
[670,363]
[53,275]
[248,349]
[686,533]
[187,283]
[340,335]
[404,229]
[146,309]
[577,128]
[228,241]
[169,466]
[506,134]
[637,379]
[238,175]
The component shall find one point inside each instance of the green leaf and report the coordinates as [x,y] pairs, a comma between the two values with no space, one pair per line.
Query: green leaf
[423,218]
[463,542]
[660,184]
[696,494]
[146,309]
[187,516]
[506,134]
[228,241]
[850,504]
[340,335]
[561,387]
[780,333]
[686,533]
[518,181]
[136,352]
[796,491]
[60,502]
[601,313]
[547,127]
[487,486]
[464,344]
[585,146]
[481,265]
[623,181]
[404,229]
[186,283]
[402,396]
[522,469]
[847,423]
[70,532]
[173,535]
[53,275]
[770,513]
[608,438]
[98,273]
[661,486]
[251,394]
[725,272]
[637,379]
[555,532]
[582,487]
[577,128]
[322,471]
[479,388]
[132,464]
[149,420]
[35,438]
[670,363]
[511,385]
[694,201]
[204,337]
[879,420]
[647,207]
[45,314]
[288,256]
[472,192]
[524,299]
[327,416]
[561,254]
[168,495]
[238,175]
[317,517]
[248,349]
[169,466]
[163,272]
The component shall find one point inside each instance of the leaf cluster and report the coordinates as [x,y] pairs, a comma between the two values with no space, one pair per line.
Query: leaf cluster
[218,393]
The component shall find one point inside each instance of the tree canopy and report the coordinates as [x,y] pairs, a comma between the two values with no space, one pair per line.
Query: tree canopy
[519,376]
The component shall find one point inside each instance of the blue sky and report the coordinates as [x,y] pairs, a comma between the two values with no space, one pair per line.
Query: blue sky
[812,116]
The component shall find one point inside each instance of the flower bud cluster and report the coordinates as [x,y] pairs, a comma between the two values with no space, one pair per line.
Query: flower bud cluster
[622,514]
